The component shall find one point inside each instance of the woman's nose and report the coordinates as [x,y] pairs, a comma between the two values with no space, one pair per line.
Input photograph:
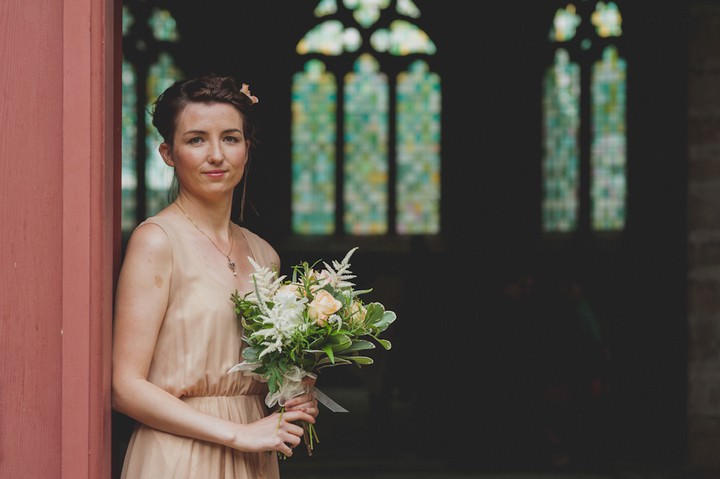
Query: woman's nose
[215,155]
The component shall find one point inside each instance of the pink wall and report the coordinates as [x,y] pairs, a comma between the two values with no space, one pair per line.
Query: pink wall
[57,237]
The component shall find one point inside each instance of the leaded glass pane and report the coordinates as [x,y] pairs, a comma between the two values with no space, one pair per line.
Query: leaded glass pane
[561,122]
[403,38]
[329,38]
[158,175]
[163,26]
[314,100]
[607,19]
[366,12]
[129,138]
[609,189]
[325,7]
[366,150]
[418,150]
[408,7]
[565,24]
[127,19]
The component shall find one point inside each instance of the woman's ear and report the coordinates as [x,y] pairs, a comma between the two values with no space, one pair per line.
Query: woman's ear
[165,151]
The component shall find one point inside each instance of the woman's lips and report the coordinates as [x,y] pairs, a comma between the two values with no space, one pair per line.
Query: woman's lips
[214,173]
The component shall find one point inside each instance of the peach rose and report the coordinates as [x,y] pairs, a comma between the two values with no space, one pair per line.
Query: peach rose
[322,306]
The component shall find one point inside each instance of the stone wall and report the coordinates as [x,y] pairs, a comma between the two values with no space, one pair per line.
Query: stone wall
[704,237]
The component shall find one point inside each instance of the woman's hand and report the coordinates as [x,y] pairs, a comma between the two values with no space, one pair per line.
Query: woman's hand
[305,402]
[279,431]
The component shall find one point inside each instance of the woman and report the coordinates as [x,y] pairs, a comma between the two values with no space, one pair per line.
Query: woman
[176,333]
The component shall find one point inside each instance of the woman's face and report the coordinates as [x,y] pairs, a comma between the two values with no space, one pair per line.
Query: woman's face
[209,150]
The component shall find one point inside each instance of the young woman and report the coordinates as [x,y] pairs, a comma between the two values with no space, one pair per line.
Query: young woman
[176,333]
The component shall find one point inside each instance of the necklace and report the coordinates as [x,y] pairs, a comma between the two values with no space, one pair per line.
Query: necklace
[230,262]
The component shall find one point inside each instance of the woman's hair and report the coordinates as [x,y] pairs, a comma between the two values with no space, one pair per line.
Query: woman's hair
[204,89]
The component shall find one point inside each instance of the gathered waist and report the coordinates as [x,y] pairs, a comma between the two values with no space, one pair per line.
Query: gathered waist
[221,396]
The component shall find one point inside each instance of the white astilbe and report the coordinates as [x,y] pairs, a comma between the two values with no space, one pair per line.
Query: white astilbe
[284,319]
[265,284]
[339,274]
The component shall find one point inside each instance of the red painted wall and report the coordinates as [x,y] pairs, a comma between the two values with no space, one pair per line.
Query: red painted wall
[57,237]
[30,237]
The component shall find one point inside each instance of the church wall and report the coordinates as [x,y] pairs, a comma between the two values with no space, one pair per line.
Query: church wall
[704,237]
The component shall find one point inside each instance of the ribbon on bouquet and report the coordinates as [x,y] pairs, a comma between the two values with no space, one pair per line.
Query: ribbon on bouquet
[292,386]
[326,401]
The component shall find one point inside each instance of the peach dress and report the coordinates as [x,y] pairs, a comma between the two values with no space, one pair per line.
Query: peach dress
[199,340]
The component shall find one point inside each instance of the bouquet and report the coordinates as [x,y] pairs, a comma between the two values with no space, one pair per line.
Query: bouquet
[295,327]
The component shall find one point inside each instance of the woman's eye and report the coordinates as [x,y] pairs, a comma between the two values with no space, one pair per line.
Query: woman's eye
[195,140]
[232,139]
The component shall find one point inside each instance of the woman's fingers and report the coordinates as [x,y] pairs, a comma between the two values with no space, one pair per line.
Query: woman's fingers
[298,415]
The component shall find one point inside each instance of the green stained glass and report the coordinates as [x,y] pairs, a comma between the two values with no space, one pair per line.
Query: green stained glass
[329,38]
[366,149]
[408,7]
[314,99]
[158,175]
[403,38]
[129,137]
[364,180]
[418,151]
[127,19]
[561,122]
[163,26]
[325,7]
[565,24]
[607,20]
[366,12]
[608,155]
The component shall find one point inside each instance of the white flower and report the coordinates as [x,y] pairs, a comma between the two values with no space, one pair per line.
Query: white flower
[266,282]
[284,319]
[339,274]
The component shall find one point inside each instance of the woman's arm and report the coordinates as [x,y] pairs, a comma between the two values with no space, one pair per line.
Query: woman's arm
[140,304]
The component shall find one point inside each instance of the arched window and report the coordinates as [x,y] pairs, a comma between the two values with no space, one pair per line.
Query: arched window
[148,68]
[366,123]
[584,124]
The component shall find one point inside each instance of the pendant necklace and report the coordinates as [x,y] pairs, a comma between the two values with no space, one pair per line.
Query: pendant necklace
[230,262]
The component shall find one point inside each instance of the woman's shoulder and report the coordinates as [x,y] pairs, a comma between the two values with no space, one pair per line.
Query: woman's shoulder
[263,251]
[151,235]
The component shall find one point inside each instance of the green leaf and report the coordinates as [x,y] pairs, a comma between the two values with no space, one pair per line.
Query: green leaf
[384,343]
[373,312]
[386,320]
[359,345]
[339,342]
[330,353]
[326,363]
[251,354]
[361,360]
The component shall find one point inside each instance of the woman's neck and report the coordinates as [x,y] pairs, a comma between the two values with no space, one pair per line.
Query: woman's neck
[209,216]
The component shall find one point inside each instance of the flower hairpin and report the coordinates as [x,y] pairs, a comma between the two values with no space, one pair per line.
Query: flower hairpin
[246,90]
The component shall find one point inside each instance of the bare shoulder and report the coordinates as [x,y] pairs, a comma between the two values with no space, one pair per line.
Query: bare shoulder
[149,239]
[265,252]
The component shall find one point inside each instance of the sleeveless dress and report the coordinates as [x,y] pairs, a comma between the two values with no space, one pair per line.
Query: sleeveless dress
[199,340]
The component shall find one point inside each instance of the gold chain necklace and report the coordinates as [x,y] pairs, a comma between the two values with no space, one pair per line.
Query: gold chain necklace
[230,263]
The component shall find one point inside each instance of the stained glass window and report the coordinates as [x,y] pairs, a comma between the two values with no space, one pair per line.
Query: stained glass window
[314,98]
[585,186]
[366,145]
[561,123]
[367,103]
[147,69]
[608,144]
[158,175]
[418,150]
